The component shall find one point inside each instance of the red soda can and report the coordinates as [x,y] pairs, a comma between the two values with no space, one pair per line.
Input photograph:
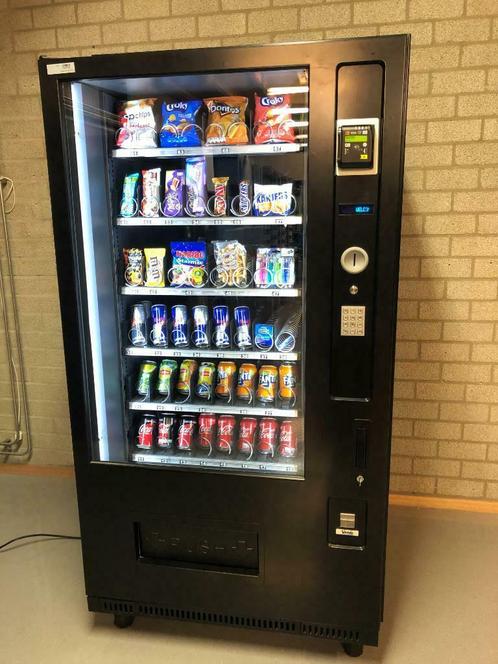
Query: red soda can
[225,433]
[185,436]
[166,424]
[287,440]
[247,435]
[267,437]
[146,432]
[207,427]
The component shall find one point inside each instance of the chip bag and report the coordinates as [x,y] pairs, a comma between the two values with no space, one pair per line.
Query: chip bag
[226,121]
[137,124]
[275,200]
[180,127]
[273,120]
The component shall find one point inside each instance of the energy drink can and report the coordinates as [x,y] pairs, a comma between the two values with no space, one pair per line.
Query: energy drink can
[267,384]
[146,375]
[242,317]
[159,332]
[200,334]
[138,325]
[185,378]
[165,429]
[245,382]
[224,380]
[179,334]
[165,379]
[287,382]
[225,433]
[146,432]
[221,326]
[205,381]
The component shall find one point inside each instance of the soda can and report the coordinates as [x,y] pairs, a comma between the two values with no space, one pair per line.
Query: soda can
[225,433]
[159,332]
[267,436]
[287,440]
[267,384]
[201,321]
[207,429]
[138,325]
[287,381]
[147,306]
[185,435]
[185,378]
[179,331]
[224,380]
[146,375]
[242,317]
[165,430]
[247,435]
[146,432]
[221,318]
[246,382]
[205,381]
[166,378]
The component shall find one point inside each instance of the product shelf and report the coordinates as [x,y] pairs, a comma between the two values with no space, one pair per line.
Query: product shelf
[291,220]
[208,150]
[182,459]
[262,411]
[212,292]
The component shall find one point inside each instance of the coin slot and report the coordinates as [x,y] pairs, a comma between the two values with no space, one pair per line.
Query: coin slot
[354,260]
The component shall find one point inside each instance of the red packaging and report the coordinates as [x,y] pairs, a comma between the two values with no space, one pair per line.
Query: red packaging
[247,434]
[165,428]
[225,434]
[207,426]
[273,120]
[185,437]
[287,440]
[146,432]
[267,438]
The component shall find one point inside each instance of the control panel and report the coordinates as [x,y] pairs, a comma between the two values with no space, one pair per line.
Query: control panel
[356,143]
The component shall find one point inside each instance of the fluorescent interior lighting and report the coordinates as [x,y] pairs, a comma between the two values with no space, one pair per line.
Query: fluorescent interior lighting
[287,89]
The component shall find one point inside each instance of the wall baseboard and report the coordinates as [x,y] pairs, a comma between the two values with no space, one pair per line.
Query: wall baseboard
[395,499]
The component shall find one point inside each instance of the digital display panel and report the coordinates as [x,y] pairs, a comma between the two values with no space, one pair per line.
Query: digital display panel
[358,208]
[355,138]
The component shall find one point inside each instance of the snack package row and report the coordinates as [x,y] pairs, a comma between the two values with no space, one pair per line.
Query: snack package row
[184,191]
[181,123]
[271,267]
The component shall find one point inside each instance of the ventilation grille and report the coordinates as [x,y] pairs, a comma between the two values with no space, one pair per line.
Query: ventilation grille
[155,611]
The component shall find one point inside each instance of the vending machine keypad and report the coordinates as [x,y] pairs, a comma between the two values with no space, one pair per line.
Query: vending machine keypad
[353,321]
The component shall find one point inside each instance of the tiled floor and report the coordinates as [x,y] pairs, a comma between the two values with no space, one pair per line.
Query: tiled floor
[441,601]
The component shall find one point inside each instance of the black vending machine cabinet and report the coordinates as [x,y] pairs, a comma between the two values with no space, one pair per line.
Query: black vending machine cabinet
[227,228]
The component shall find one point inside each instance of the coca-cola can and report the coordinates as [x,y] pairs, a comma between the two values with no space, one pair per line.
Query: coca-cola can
[185,435]
[287,440]
[146,432]
[225,434]
[165,428]
[267,436]
[207,429]
[247,435]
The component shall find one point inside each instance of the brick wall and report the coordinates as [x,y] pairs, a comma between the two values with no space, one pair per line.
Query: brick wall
[446,410]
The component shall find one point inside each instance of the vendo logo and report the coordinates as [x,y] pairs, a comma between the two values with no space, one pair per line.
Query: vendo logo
[271,101]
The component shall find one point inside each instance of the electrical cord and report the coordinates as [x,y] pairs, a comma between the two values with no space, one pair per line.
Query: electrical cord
[52,535]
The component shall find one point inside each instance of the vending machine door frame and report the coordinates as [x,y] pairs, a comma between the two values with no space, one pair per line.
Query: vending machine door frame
[304,582]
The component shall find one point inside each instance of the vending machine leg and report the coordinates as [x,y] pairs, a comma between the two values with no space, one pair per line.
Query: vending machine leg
[123,620]
[353,649]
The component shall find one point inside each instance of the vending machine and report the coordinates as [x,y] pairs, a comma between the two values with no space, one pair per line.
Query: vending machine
[227,227]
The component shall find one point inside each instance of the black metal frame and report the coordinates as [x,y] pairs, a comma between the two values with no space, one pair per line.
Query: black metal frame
[302,582]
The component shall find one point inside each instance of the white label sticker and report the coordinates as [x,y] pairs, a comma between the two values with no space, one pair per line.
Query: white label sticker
[347,531]
[61,68]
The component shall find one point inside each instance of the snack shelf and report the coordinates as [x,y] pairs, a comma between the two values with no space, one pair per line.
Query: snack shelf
[183,459]
[291,220]
[212,292]
[158,406]
[206,150]
[144,351]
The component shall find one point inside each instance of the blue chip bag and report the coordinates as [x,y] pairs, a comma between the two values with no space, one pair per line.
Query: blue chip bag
[180,127]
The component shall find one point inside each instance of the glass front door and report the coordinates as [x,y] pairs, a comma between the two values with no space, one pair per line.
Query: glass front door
[192,199]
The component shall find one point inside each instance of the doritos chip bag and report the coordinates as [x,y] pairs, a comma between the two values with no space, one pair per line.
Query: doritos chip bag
[272,119]
[180,126]
[226,121]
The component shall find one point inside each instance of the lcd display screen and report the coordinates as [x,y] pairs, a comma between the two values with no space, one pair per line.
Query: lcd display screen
[358,208]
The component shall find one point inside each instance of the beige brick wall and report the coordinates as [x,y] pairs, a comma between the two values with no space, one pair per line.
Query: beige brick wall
[445,436]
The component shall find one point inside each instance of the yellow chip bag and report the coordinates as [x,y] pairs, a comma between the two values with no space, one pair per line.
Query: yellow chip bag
[226,121]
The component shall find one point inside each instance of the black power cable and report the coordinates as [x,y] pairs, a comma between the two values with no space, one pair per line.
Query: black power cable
[52,535]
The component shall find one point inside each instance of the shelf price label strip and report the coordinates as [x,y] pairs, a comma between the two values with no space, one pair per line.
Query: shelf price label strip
[275,148]
[224,464]
[212,292]
[155,406]
[144,351]
[210,221]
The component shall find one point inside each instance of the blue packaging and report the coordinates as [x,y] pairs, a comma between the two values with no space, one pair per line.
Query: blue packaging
[263,335]
[180,127]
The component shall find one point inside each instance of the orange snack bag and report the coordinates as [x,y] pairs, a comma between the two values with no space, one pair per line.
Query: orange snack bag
[226,121]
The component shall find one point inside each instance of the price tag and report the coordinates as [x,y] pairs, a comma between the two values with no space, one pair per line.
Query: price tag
[244,356]
[135,153]
[277,148]
[263,356]
[163,460]
[152,291]
[188,291]
[237,222]
[180,151]
[227,292]
[178,409]
[269,412]
[243,411]
[182,462]
[177,353]
[244,465]
[275,293]
[202,463]
[140,459]
[225,151]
